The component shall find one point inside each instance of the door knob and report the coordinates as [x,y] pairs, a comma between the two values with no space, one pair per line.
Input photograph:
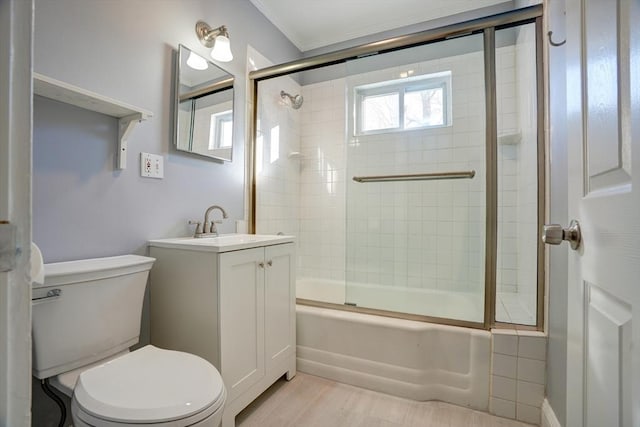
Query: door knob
[554,234]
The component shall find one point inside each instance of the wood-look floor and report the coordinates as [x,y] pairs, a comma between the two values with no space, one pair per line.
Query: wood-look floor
[309,401]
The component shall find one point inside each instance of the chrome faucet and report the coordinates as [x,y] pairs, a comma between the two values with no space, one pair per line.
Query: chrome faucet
[208,228]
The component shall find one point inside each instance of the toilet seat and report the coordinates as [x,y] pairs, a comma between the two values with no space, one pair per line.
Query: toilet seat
[148,386]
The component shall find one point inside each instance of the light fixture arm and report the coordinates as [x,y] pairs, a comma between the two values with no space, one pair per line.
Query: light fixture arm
[207,35]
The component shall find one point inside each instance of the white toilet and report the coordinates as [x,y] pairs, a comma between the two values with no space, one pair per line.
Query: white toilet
[85,318]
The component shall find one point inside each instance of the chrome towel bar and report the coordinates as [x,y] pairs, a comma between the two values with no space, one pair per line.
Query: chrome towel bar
[417,176]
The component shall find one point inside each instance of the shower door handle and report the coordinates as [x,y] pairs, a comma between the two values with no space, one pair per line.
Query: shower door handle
[554,234]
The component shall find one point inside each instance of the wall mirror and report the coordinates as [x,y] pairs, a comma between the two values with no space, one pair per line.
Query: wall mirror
[204,107]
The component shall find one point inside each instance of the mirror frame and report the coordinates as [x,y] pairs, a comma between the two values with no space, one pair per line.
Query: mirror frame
[218,86]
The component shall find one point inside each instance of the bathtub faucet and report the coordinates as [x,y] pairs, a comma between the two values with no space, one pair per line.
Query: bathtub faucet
[209,228]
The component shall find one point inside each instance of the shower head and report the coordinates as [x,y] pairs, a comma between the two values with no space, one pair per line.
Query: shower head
[296,101]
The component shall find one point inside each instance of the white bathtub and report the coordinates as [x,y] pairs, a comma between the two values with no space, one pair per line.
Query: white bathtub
[417,360]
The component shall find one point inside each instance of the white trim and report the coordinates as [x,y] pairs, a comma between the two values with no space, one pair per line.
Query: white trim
[548,418]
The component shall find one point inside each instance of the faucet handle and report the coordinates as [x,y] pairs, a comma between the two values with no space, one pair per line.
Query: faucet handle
[198,224]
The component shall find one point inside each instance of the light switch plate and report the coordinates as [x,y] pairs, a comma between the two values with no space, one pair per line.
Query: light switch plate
[151,165]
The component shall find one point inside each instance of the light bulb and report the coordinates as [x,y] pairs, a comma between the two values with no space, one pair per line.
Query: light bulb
[222,49]
[197,62]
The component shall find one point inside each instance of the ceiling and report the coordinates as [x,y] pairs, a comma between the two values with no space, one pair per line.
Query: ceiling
[310,24]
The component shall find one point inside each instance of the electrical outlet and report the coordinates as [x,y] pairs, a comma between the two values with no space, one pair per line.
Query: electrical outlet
[151,165]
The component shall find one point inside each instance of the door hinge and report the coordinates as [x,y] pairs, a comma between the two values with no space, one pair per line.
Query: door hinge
[7,246]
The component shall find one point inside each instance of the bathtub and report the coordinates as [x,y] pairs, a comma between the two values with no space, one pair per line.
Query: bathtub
[412,359]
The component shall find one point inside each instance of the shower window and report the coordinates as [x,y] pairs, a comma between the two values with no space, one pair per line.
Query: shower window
[403,104]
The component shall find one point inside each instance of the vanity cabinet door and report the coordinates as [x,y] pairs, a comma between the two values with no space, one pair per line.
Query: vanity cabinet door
[242,319]
[280,327]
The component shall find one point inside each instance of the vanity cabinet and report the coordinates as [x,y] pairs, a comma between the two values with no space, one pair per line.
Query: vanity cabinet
[234,308]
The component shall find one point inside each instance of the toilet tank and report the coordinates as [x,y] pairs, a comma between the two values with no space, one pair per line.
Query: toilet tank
[87,310]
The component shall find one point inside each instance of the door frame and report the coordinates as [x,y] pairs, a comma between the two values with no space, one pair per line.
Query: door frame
[16,99]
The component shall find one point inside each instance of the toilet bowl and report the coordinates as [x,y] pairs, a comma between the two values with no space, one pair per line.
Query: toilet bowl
[150,386]
[86,315]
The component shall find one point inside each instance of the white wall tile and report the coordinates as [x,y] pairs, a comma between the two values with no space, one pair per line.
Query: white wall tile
[528,414]
[502,408]
[530,393]
[504,366]
[504,388]
[532,347]
[505,343]
[531,370]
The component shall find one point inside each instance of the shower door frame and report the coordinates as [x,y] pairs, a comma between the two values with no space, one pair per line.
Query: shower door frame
[486,26]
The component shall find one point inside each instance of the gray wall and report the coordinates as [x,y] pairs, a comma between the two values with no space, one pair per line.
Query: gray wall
[557,289]
[82,206]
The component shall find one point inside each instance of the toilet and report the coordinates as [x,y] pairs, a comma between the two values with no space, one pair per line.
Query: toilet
[86,316]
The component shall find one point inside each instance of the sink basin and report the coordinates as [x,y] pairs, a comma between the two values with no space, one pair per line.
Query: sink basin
[223,242]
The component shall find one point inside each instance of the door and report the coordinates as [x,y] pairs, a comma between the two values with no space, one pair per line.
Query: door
[242,319]
[603,110]
[279,298]
[416,158]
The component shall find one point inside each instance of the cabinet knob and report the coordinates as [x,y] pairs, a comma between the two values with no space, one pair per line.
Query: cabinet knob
[269,263]
[261,264]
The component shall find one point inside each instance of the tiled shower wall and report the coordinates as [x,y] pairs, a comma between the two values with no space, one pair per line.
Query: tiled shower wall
[518,365]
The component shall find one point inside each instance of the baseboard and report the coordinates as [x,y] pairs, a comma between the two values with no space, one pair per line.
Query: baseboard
[549,418]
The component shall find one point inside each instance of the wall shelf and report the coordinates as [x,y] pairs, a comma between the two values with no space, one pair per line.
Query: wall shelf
[127,115]
[510,138]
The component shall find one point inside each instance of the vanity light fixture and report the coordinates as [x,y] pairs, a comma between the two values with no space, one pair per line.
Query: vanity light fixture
[197,62]
[216,38]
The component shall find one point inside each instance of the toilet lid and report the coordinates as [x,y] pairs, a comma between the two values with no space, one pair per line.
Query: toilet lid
[149,385]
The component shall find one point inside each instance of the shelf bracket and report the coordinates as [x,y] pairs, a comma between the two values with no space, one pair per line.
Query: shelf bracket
[125,126]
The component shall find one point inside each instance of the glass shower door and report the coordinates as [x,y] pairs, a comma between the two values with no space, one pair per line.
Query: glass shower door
[416,182]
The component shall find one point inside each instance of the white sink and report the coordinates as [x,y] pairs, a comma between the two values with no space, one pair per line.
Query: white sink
[223,242]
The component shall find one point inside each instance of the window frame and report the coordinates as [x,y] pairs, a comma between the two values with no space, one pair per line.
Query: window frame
[440,80]
[215,129]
